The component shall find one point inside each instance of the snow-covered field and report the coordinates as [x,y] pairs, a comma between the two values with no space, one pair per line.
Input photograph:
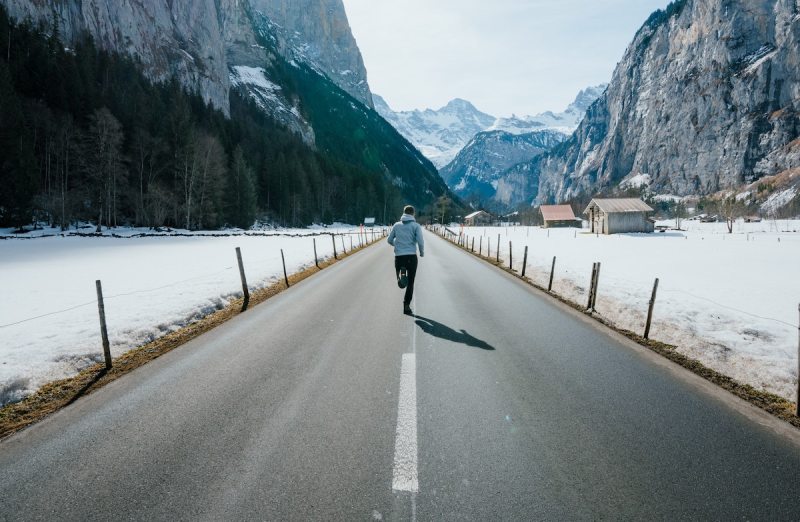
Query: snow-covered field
[152,285]
[728,300]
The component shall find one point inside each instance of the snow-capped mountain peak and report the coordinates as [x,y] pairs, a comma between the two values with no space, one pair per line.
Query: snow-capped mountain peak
[441,133]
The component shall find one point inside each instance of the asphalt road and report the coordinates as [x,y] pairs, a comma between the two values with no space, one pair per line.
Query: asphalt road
[326,403]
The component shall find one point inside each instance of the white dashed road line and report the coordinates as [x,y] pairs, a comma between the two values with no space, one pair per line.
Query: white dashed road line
[405,448]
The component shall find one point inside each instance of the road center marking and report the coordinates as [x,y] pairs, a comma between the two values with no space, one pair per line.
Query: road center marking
[405,446]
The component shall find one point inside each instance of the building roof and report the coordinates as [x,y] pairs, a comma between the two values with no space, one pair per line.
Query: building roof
[612,206]
[475,214]
[557,213]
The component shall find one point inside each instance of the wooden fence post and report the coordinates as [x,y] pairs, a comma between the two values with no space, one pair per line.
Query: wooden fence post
[101,308]
[472,248]
[510,256]
[650,310]
[285,277]
[480,246]
[344,250]
[245,290]
[316,259]
[591,286]
[333,239]
[525,261]
[498,248]
[552,271]
[351,242]
[596,285]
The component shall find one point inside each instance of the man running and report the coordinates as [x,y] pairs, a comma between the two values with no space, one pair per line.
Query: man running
[405,236]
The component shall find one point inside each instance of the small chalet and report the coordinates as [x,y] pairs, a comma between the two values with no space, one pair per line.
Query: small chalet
[559,216]
[616,216]
[479,218]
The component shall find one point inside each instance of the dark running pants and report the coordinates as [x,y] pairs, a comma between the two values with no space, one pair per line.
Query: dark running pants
[410,264]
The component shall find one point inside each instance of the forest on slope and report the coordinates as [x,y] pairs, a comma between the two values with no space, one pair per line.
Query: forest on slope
[86,137]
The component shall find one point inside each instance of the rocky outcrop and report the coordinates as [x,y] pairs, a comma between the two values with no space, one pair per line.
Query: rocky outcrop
[316,32]
[438,134]
[479,168]
[706,98]
[200,42]
[172,39]
[441,134]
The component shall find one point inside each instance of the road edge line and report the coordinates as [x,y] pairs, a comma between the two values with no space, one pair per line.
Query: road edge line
[54,396]
[767,409]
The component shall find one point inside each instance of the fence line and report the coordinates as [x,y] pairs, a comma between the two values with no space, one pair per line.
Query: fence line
[662,289]
[183,281]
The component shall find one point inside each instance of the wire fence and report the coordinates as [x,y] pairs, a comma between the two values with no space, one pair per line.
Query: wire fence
[685,316]
[37,348]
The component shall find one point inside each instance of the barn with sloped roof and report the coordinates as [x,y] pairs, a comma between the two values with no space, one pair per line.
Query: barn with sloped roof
[618,216]
[559,216]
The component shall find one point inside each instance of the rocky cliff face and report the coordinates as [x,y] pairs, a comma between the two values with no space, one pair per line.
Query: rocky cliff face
[441,134]
[478,169]
[317,32]
[200,42]
[705,99]
[438,134]
[172,39]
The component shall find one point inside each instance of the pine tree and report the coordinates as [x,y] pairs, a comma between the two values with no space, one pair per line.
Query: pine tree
[17,163]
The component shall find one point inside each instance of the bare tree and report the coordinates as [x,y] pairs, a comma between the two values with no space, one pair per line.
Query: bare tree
[212,167]
[731,209]
[148,165]
[104,162]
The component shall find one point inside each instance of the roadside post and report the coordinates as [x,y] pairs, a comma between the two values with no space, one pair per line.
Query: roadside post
[316,259]
[333,239]
[285,277]
[101,308]
[552,271]
[245,291]
[525,261]
[591,287]
[498,248]
[650,310]
[510,256]
[596,284]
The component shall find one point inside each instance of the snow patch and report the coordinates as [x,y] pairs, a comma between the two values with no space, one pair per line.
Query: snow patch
[636,181]
[727,300]
[152,286]
[778,200]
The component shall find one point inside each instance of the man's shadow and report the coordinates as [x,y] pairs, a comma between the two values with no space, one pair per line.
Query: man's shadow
[436,329]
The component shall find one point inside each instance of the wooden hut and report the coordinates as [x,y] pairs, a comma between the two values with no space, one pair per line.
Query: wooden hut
[559,216]
[477,219]
[616,216]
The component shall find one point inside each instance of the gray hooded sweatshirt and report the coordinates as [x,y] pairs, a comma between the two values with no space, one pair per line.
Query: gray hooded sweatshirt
[405,236]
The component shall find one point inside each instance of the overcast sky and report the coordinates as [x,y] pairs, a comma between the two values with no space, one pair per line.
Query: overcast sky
[505,56]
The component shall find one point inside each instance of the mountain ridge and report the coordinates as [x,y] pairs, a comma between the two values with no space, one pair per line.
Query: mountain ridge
[703,102]
[441,133]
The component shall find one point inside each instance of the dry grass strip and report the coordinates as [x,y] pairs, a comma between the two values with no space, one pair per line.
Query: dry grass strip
[58,394]
[769,402]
